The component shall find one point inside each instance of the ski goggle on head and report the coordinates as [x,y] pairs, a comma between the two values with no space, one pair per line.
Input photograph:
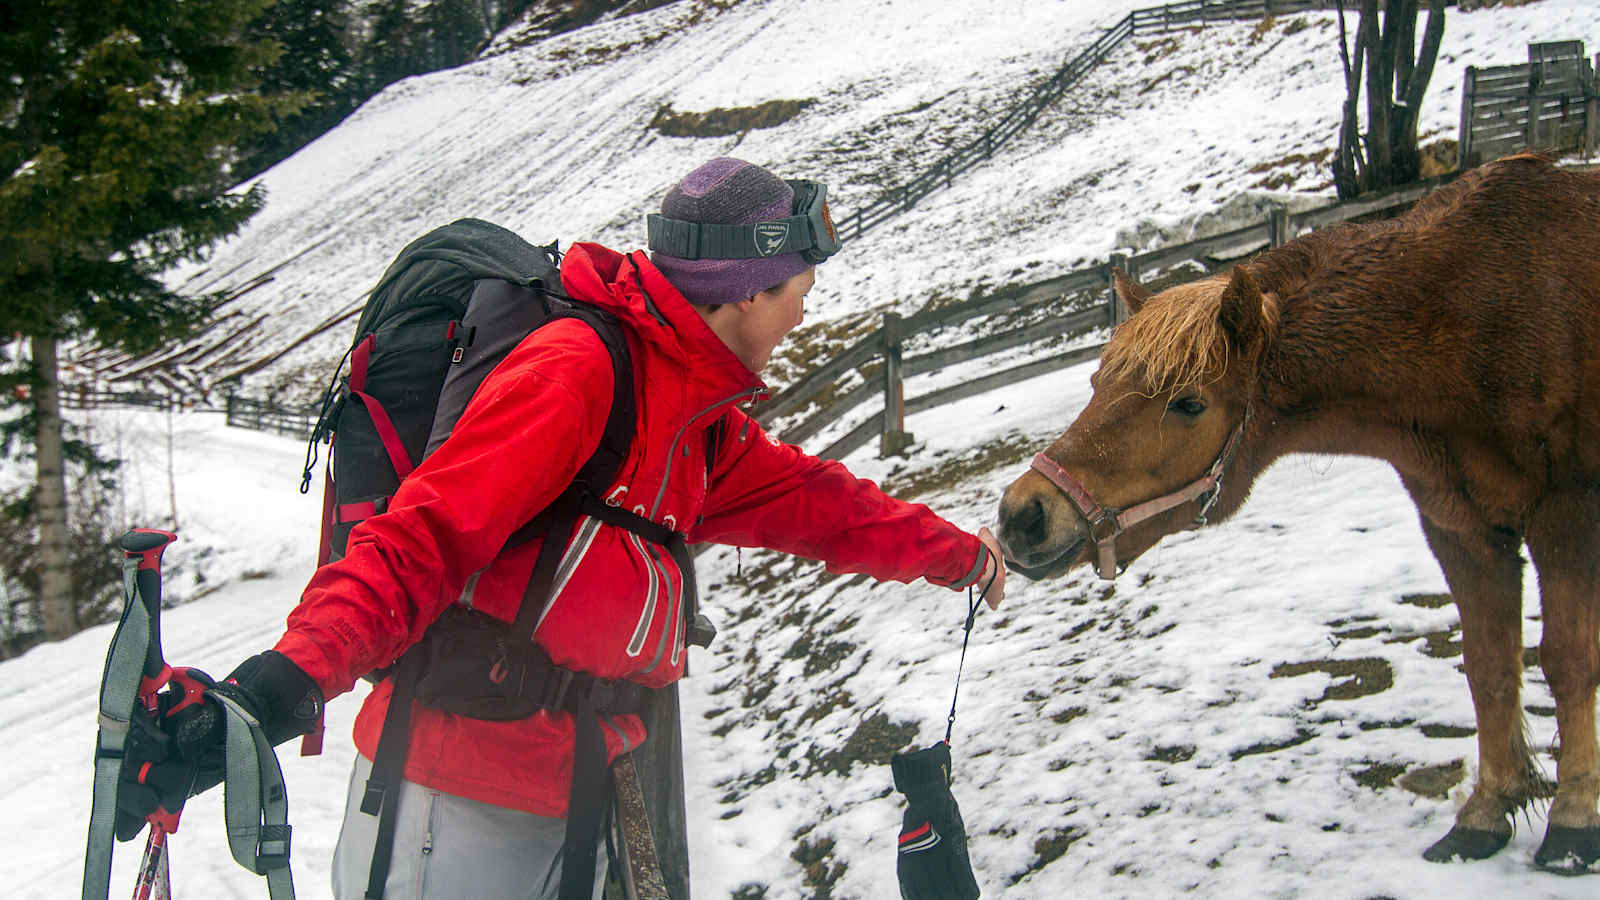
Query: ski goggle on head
[807,231]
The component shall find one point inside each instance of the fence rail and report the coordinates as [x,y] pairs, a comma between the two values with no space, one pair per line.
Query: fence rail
[1036,302]
[261,416]
[93,398]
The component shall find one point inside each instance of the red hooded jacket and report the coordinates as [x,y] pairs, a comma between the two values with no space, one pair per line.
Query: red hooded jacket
[617,610]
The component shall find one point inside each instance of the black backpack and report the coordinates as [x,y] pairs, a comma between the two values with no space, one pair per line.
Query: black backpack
[449,308]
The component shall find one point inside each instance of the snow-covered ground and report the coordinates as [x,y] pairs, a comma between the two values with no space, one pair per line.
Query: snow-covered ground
[1108,742]
[1168,736]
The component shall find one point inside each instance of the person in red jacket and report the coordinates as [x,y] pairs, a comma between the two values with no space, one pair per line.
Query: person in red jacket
[484,804]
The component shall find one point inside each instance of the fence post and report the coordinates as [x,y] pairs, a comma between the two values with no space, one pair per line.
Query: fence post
[1591,109]
[1278,226]
[1530,135]
[1469,84]
[1116,312]
[895,438]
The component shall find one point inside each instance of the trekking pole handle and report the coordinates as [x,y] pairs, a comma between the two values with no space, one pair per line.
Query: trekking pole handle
[146,545]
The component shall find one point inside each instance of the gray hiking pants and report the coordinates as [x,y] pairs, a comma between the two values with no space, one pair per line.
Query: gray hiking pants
[448,847]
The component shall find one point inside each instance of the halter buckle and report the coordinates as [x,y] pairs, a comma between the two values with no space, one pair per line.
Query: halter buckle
[1104,526]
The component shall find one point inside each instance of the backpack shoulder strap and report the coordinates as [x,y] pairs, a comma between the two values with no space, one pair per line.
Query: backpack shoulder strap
[602,467]
[561,516]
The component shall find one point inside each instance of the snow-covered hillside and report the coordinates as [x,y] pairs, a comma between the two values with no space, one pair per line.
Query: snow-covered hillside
[553,140]
[1271,707]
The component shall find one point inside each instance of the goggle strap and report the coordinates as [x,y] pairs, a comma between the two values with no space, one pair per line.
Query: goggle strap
[698,240]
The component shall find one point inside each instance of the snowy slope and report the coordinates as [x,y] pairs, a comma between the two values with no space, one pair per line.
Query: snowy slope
[552,140]
[1132,742]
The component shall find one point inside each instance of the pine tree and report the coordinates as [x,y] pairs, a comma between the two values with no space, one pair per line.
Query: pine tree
[317,61]
[455,29]
[118,124]
[397,46]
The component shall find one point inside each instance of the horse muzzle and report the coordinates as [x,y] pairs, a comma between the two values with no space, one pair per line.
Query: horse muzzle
[1042,536]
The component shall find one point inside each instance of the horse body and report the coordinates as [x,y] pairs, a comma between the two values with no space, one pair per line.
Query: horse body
[1460,343]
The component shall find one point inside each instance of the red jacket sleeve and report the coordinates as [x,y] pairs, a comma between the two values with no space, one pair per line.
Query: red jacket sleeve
[531,425]
[765,493]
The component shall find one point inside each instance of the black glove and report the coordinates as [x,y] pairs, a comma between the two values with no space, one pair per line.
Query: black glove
[932,863]
[178,752]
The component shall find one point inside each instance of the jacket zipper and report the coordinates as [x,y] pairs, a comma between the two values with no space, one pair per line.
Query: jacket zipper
[674,613]
[672,450]
[636,643]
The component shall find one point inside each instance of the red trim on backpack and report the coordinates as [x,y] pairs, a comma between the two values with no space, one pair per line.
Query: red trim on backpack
[325,544]
[355,512]
[380,419]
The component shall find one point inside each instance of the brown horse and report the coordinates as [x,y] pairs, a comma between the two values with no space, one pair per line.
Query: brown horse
[1460,343]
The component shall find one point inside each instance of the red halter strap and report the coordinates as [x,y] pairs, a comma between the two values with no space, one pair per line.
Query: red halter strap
[1106,523]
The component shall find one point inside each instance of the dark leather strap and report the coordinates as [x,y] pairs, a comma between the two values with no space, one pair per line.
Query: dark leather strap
[586,803]
[382,797]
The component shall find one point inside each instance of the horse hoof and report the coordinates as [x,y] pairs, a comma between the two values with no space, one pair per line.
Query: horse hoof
[1568,851]
[1466,843]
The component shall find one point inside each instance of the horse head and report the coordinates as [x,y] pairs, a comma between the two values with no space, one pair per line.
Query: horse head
[1161,445]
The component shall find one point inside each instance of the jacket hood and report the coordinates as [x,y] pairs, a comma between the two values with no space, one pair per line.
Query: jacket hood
[632,288]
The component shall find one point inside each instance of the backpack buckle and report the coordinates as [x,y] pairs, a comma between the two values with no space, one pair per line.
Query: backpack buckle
[553,692]
[602,694]
[701,631]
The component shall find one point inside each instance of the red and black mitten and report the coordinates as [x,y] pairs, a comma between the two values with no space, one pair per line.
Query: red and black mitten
[932,863]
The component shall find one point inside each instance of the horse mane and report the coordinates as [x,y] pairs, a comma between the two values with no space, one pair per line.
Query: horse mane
[1177,339]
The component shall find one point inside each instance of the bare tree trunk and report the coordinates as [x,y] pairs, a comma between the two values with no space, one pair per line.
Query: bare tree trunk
[56,606]
[1410,91]
[1380,86]
[1349,170]
[1396,78]
[172,474]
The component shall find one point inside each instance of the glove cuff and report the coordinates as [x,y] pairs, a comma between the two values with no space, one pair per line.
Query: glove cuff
[285,700]
[922,771]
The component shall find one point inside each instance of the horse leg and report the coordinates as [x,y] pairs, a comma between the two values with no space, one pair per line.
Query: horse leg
[1484,571]
[1569,652]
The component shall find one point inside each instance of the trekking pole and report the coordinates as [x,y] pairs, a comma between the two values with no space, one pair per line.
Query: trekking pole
[134,673]
[255,805]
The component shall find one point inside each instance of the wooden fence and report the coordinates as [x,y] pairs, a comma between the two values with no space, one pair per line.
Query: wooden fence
[93,398]
[1156,19]
[261,416]
[1551,102]
[1066,306]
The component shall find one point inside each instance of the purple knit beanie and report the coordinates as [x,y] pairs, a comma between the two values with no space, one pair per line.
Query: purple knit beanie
[727,191]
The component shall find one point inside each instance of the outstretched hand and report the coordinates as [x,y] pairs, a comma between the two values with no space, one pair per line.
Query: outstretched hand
[992,583]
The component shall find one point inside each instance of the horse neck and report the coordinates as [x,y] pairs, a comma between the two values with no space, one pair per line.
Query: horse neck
[1358,358]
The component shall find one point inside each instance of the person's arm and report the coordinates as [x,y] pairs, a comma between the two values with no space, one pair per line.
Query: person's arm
[531,425]
[766,493]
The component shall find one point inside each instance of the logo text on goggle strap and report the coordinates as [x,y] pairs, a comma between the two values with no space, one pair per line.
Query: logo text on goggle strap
[771,236]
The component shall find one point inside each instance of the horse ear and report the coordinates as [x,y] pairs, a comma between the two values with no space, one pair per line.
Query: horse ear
[1128,291]
[1241,311]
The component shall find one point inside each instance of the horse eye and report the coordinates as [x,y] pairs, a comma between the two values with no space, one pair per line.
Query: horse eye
[1189,406]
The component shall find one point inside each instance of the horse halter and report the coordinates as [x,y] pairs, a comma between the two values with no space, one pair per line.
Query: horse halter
[1106,523]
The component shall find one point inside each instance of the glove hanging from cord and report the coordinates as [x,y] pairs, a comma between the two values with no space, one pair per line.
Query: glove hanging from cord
[932,862]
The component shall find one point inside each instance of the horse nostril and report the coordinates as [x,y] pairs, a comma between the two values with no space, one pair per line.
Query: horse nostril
[1027,524]
[1036,528]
